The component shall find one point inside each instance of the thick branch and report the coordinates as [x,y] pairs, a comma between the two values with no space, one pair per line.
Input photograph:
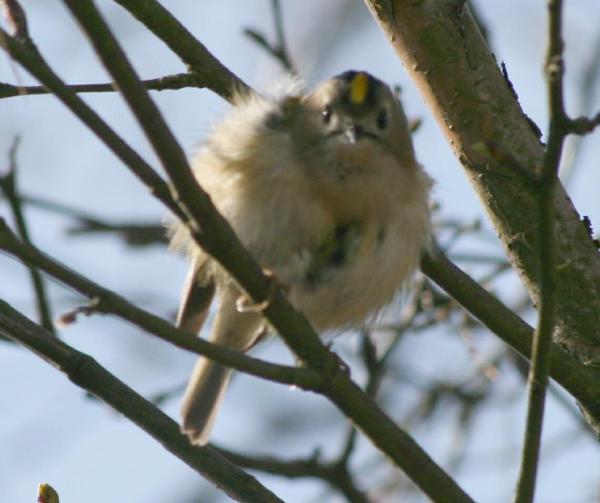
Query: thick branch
[443,50]
[86,373]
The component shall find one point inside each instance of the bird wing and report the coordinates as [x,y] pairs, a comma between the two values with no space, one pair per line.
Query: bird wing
[196,296]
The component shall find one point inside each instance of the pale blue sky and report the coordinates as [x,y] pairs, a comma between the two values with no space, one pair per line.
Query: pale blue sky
[50,432]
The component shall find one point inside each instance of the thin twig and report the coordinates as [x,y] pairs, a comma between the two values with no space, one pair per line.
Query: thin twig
[280,32]
[26,53]
[168,82]
[587,92]
[334,473]
[522,368]
[542,341]
[133,233]
[8,186]
[278,50]
[207,69]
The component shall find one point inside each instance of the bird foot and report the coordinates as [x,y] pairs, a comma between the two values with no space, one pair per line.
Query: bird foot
[245,305]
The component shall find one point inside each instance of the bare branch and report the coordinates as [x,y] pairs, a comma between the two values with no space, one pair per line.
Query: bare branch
[442,49]
[583,125]
[334,473]
[168,82]
[578,380]
[201,63]
[542,340]
[106,301]
[16,18]
[86,373]
[340,390]
[215,236]
[135,234]
[278,50]
[587,92]
[8,187]
[25,52]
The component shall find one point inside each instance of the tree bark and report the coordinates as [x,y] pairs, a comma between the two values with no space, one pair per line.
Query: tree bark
[443,50]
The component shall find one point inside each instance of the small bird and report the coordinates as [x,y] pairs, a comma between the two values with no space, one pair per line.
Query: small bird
[324,190]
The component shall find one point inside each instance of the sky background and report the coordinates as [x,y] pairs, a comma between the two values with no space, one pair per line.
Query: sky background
[51,432]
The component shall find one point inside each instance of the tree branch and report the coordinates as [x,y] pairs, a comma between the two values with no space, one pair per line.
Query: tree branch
[201,63]
[133,233]
[278,50]
[17,19]
[170,82]
[444,52]
[542,340]
[25,53]
[217,238]
[105,301]
[586,94]
[350,399]
[86,373]
[335,473]
[580,381]
[8,186]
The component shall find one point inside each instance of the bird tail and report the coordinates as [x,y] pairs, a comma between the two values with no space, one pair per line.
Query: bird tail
[202,399]
[206,387]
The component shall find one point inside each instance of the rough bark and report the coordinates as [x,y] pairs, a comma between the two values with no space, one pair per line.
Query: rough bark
[443,50]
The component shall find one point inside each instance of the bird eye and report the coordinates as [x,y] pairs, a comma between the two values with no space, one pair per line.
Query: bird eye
[382,119]
[326,114]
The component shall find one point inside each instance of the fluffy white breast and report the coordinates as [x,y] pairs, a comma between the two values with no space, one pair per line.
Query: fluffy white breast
[384,258]
[283,215]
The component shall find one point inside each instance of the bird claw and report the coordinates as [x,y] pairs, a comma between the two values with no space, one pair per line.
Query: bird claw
[244,305]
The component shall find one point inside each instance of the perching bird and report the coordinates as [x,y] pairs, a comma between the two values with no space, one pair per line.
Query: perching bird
[324,191]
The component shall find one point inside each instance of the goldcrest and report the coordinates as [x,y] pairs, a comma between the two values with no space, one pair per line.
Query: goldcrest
[324,191]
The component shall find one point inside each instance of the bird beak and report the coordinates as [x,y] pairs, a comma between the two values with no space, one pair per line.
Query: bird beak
[353,133]
[350,133]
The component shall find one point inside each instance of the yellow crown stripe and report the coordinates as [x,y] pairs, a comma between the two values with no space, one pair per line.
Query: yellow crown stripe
[359,87]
